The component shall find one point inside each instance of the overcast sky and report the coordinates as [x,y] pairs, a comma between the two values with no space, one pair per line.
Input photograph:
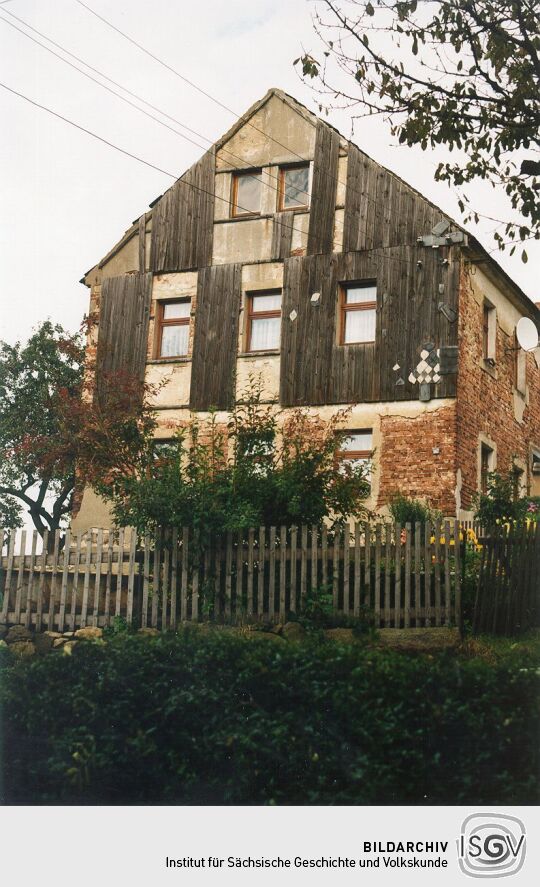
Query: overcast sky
[66,198]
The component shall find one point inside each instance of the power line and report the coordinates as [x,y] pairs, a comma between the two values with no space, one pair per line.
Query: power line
[163,171]
[365,197]
[350,187]
[129,154]
[203,91]
[122,98]
[87,131]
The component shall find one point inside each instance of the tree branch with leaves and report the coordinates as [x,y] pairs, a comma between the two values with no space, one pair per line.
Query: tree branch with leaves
[465,75]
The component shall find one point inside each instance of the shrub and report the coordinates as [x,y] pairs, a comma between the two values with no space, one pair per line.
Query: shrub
[404,510]
[220,719]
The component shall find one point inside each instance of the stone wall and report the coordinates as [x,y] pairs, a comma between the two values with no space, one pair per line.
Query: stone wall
[418,458]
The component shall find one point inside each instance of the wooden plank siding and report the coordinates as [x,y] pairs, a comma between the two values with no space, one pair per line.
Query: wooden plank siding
[282,231]
[183,220]
[219,290]
[323,190]
[316,370]
[123,326]
[380,209]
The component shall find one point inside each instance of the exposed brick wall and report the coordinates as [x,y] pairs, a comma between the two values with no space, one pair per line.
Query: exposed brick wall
[408,464]
[486,403]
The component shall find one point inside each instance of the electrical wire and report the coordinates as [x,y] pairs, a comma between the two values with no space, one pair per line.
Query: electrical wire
[204,92]
[140,99]
[166,172]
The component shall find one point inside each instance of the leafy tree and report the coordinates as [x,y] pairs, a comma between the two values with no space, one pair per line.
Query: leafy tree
[462,74]
[36,379]
[216,477]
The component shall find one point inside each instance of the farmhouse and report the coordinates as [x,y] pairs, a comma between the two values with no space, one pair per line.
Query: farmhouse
[287,252]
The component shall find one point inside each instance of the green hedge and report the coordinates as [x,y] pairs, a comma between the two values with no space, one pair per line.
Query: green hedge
[218,719]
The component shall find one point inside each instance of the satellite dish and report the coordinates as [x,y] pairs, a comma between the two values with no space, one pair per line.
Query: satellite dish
[527,334]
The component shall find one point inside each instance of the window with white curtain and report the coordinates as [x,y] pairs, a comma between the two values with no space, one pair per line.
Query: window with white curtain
[264,321]
[173,328]
[358,312]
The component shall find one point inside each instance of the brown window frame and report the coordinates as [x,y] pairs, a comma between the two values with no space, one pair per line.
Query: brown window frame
[281,188]
[356,306]
[353,455]
[173,321]
[236,176]
[259,315]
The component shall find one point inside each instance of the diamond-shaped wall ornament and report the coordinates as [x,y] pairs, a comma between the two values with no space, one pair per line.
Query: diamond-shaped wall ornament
[421,366]
[315,298]
[396,367]
[412,378]
[424,354]
[436,378]
[432,359]
[293,315]
[400,381]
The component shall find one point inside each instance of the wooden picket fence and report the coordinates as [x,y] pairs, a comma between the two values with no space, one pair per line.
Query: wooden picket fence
[508,595]
[393,576]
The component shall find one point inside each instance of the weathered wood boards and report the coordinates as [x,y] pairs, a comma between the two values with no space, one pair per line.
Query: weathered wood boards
[316,369]
[323,190]
[123,326]
[216,337]
[183,220]
[381,210]
[250,575]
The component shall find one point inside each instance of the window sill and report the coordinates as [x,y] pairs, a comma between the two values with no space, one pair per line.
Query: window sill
[250,218]
[186,359]
[274,352]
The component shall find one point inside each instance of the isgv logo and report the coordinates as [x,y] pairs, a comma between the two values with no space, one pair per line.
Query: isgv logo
[491,845]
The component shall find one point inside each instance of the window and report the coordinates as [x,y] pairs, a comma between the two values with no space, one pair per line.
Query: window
[489,321]
[164,450]
[486,466]
[246,193]
[264,321]
[358,312]
[294,187]
[173,328]
[356,450]
[260,453]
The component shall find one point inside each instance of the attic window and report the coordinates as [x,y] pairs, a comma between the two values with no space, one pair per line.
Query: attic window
[294,187]
[246,193]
